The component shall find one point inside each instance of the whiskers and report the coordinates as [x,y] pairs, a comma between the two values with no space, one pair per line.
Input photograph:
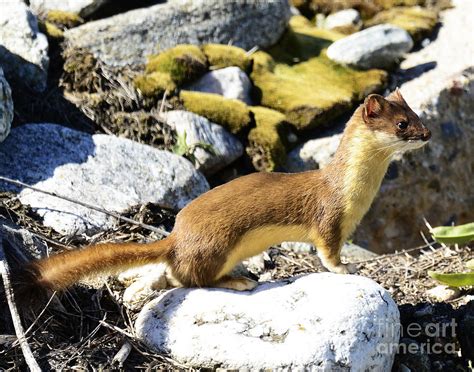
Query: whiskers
[388,150]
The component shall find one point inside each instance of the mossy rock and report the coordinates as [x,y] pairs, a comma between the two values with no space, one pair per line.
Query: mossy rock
[417,21]
[232,114]
[268,140]
[154,84]
[62,19]
[51,30]
[313,92]
[302,41]
[221,56]
[183,63]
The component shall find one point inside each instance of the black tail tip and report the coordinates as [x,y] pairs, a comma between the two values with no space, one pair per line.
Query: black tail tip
[29,291]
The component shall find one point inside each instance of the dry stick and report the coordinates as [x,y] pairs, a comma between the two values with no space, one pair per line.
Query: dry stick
[20,333]
[122,354]
[403,251]
[90,206]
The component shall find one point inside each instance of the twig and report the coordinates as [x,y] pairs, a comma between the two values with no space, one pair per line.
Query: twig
[122,354]
[403,251]
[87,205]
[20,333]
[163,102]
[252,51]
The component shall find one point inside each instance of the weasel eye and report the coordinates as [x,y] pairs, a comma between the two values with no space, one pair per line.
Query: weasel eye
[402,125]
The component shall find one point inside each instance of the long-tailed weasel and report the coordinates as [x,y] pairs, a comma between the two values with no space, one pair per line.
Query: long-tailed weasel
[246,216]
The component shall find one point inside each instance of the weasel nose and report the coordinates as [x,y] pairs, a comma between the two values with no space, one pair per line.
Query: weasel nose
[426,135]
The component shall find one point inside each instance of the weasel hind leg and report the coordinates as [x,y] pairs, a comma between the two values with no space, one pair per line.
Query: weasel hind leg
[239,283]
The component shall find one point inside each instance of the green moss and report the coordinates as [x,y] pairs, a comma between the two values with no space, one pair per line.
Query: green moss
[221,56]
[232,114]
[63,19]
[183,63]
[267,141]
[51,30]
[302,41]
[154,84]
[418,22]
[313,92]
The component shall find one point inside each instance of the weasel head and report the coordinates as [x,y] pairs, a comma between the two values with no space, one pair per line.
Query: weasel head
[394,123]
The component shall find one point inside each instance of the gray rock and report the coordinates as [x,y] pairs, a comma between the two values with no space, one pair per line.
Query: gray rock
[20,243]
[198,130]
[343,18]
[375,47]
[230,82]
[320,321]
[314,154]
[128,38]
[106,171]
[349,251]
[82,7]
[6,107]
[23,49]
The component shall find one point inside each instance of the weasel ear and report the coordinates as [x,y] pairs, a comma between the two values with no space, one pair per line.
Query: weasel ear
[373,105]
[396,96]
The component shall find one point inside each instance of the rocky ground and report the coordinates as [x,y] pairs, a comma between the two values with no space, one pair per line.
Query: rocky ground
[139,109]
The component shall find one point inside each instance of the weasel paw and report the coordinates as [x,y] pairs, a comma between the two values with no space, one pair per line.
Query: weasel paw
[343,269]
[238,284]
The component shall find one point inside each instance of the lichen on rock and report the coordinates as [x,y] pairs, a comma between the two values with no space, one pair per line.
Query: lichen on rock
[417,21]
[55,22]
[221,56]
[268,140]
[64,19]
[232,114]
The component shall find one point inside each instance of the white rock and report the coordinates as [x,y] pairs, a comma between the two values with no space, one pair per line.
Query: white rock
[448,61]
[6,107]
[322,321]
[82,7]
[23,49]
[444,293]
[314,154]
[230,82]
[198,129]
[346,17]
[375,47]
[298,247]
[109,172]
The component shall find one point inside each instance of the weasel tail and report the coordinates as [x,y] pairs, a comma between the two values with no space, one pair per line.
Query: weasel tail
[60,271]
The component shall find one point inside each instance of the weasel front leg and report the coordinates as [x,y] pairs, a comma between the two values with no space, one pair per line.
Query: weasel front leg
[330,256]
